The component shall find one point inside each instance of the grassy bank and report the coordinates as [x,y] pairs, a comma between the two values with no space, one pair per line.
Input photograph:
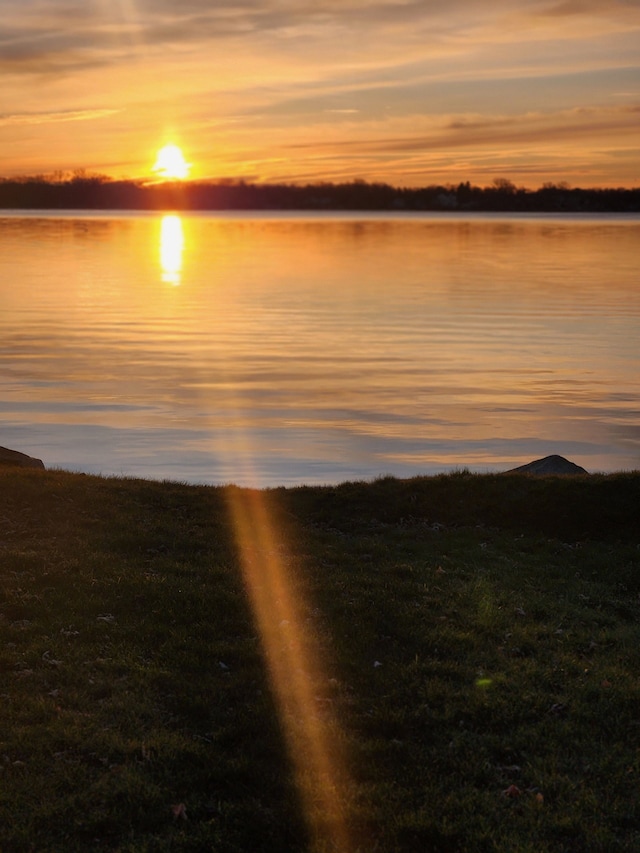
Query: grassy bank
[479,677]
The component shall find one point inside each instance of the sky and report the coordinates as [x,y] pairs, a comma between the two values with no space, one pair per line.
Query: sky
[408,92]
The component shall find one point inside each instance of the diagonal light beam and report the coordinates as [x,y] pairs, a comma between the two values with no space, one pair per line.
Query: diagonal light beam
[289,643]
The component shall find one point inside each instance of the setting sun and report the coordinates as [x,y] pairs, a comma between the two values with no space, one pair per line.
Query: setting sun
[170,163]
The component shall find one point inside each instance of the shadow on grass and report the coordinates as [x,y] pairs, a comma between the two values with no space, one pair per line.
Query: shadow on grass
[481,634]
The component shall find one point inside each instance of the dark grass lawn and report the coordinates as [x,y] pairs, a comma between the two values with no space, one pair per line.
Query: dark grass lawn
[478,648]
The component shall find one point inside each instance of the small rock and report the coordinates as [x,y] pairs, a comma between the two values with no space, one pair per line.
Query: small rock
[549,465]
[21,460]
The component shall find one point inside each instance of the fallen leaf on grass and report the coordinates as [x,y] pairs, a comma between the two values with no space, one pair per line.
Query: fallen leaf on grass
[512,792]
[179,811]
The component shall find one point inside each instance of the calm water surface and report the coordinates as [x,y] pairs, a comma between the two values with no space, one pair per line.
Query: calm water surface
[281,349]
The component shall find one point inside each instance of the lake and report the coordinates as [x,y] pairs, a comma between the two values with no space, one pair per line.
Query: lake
[268,349]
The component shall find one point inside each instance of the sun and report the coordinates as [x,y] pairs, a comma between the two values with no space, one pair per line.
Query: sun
[170,163]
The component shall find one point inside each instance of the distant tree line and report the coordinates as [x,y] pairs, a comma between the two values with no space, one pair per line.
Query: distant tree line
[97,192]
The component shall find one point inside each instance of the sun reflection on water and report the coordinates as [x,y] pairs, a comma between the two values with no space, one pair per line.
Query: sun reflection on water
[171,248]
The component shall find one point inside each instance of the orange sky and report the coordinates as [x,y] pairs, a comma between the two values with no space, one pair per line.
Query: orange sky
[409,92]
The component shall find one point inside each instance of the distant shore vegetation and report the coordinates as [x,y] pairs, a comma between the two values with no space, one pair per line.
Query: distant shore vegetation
[84,190]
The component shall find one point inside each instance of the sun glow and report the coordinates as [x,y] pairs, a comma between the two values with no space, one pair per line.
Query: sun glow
[170,163]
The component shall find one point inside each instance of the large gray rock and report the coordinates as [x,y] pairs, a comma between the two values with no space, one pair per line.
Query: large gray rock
[549,465]
[14,457]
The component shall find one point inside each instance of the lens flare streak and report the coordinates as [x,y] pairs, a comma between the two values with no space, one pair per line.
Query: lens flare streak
[288,640]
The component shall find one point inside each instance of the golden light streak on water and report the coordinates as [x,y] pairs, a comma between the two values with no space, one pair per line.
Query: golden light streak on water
[289,642]
[171,248]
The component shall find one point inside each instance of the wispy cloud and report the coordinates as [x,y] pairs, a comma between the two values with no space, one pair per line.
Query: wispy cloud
[476,131]
[51,117]
[35,28]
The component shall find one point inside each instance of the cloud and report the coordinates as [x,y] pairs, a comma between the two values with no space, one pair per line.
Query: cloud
[33,28]
[49,117]
[447,134]
[575,8]
[581,145]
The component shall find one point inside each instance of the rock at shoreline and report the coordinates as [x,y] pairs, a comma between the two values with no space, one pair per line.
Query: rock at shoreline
[549,465]
[14,457]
